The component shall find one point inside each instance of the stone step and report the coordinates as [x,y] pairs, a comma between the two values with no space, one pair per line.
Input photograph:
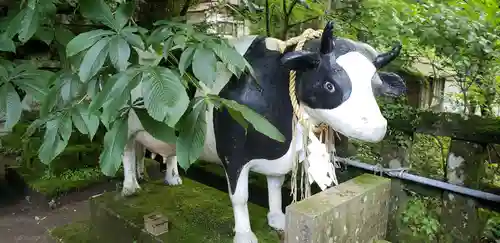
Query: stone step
[195,213]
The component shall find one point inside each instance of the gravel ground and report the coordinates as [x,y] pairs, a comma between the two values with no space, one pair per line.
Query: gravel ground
[24,222]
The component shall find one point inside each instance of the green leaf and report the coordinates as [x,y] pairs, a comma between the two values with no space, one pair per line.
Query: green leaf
[85,40]
[14,25]
[11,105]
[4,74]
[185,60]
[45,34]
[132,38]
[192,131]
[119,53]
[180,41]
[119,100]
[238,117]
[159,35]
[167,46]
[165,97]
[158,130]
[85,122]
[124,12]
[56,138]
[70,86]
[204,63]
[94,59]
[229,56]
[99,11]
[64,36]
[7,44]
[115,141]
[260,123]
[116,87]
[29,23]
[34,82]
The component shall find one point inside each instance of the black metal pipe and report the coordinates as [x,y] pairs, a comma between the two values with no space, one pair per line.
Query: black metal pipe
[423,180]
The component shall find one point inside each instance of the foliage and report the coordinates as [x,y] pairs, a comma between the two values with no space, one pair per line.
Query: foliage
[100,69]
[288,19]
[422,218]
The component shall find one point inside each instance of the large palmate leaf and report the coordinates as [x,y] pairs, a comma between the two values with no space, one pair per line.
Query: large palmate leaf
[7,44]
[186,59]
[32,81]
[119,53]
[124,12]
[115,141]
[30,21]
[204,66]
[85,40]
[165,97]
[158,130]
[115,93]
[10,106]
[260,123]
[94,59]
[192,132]
[98,10]
[133,39]
[84,121]
[56,138]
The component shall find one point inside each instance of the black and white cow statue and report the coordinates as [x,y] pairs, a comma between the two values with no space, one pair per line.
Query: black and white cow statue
[337,81]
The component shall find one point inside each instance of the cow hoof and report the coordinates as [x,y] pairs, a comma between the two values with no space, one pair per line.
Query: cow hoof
[276,220]
[173,181]
[247,237]
[130,189]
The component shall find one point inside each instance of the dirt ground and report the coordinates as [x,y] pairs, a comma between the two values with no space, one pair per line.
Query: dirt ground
[25,223]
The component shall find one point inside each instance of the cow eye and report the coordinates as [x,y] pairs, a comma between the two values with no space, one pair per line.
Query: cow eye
[329,87]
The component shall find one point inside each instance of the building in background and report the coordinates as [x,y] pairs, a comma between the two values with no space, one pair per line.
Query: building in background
[217,14]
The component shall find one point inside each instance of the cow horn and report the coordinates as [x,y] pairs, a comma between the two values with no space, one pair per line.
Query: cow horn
[327,43]
[385,58]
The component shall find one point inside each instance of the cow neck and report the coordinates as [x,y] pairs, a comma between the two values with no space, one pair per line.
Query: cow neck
[308,130]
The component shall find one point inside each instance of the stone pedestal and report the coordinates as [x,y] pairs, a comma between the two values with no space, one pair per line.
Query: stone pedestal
[354,211]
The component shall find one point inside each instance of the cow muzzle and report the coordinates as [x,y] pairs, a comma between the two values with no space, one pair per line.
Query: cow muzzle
[364,123]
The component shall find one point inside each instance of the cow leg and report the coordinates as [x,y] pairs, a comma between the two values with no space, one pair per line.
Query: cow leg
[239,199]
[172,176]
[130,184]
[140,151]
[275,217]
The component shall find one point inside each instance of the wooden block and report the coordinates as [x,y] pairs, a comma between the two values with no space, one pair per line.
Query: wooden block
[155,224]
[354,211]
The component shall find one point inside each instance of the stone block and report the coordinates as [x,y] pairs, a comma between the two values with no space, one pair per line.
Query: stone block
[354,211]
[195,213]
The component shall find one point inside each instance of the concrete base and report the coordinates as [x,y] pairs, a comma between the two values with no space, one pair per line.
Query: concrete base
[354,211]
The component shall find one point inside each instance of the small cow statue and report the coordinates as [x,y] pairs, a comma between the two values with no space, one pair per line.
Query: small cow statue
[337,81]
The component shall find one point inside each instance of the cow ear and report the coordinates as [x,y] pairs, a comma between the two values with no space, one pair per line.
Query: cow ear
[300,60]
[392,84]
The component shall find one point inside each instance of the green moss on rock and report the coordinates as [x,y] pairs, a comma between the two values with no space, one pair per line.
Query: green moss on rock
[76,232]
[196,213]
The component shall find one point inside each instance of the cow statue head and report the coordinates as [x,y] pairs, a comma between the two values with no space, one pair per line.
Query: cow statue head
[337,84]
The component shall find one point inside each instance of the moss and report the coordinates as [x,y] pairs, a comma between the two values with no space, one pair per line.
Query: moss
[40,180]
[196,213]
[76,232]
[53,185]
[366,179]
